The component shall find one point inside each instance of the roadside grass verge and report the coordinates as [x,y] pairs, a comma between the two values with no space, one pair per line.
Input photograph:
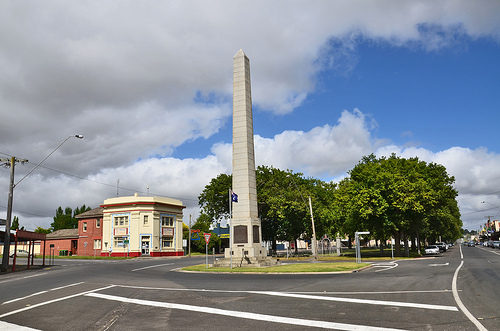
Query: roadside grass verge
[287,268]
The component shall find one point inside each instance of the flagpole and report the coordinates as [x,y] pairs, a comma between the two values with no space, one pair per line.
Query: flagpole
[230,234]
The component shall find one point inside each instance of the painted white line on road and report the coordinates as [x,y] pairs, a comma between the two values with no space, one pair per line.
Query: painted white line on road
[14,327]
[490,250]
[389,266]
[322,297]
[52,301]
[439,265]
[363,301]
[28,296]
[244,315]
[41,292]
[16,278]
[152,266]
[459,302]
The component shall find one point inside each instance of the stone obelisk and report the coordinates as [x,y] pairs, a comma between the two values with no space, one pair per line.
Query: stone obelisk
[245,223]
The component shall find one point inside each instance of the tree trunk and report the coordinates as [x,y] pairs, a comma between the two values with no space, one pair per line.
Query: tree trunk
[407,247]
[397,243]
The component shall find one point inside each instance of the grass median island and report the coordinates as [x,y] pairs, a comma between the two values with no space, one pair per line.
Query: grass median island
[286,268]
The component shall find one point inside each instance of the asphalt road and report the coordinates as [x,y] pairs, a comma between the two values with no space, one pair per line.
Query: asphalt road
[458,290]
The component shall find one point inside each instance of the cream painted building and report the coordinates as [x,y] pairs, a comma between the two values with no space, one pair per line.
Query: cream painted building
[135,226]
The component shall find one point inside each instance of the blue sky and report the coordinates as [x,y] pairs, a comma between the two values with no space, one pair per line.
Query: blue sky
[435,99]
[150,89]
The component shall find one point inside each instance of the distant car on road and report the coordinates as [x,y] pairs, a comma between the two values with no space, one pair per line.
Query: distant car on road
[20,253]
[442,246]
[471,244]
[432,249]
[496,244]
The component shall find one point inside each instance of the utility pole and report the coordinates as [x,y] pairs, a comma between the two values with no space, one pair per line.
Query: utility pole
[6,243]
[11,163]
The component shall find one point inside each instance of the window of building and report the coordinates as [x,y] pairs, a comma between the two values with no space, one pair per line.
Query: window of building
[146,220]
[167,221]
[97,243]
[121,220]
[167,242]
[84,226]
[118,242]
[98,223]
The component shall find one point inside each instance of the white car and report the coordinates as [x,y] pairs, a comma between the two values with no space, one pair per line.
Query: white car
[20,253]
[432,249]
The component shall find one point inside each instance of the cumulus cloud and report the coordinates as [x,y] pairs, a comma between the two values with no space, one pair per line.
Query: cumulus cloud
[140,79]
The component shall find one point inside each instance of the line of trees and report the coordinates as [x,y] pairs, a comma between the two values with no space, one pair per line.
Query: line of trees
[407,199]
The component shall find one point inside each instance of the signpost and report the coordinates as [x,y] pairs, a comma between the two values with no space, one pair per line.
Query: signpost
[358,248]
[207,240]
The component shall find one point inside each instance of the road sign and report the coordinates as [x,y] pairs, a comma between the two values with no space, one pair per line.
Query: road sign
[207,237]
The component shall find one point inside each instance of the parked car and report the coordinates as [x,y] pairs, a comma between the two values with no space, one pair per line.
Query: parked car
[496,244]
[432,249]
[20,253]
[442,246]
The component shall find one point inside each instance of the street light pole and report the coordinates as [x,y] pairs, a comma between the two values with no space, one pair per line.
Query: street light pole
[315,248]
[11,163]
[313,239]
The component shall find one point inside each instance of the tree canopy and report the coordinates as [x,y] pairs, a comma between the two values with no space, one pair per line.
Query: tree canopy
[407,199]
[65,219]
[403,198]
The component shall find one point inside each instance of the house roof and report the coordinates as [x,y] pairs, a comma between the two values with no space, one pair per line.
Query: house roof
[63,234]
[96,212]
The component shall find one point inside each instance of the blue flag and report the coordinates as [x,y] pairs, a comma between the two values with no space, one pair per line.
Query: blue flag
[234,197]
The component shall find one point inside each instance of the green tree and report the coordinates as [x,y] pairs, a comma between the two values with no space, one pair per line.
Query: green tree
[214,199]
[41,230]
[405,198]
[65,219]
[15,224]
[282,198]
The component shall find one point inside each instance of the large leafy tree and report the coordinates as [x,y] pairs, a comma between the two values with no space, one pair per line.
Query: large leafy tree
[282,203]
[405,198]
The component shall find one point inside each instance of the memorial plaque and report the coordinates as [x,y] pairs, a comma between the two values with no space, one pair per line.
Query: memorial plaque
[256,234]
[240,234]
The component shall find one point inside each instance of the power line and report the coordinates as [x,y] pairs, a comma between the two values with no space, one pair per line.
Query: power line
[106,184]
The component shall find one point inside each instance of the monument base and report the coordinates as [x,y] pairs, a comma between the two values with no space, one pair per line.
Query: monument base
[246,262]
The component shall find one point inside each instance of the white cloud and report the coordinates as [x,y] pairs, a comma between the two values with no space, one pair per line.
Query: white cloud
[139,79]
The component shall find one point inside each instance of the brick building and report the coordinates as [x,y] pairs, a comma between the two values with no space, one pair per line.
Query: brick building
[63,240]
[90,232]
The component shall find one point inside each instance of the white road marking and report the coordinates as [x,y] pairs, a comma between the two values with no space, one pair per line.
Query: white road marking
[459,302]
[52,301]
[363,301]
[14,327]
[152,266]
[239,314]
[316,297]
[41,292]
[389,266]
[439,265]
[15,278]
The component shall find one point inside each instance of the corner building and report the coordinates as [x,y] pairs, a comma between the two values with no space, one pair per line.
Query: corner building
[137,226]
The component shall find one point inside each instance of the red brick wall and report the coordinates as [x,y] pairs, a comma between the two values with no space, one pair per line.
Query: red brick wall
[59,244]
[87,237]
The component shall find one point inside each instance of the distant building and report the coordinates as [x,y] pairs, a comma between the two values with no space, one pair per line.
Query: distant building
[63,240]
[90,232]
[135,226]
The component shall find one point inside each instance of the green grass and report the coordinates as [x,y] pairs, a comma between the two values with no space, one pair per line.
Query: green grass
[288,268]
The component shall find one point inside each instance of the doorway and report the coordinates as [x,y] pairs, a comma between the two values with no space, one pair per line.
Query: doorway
[145,241]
